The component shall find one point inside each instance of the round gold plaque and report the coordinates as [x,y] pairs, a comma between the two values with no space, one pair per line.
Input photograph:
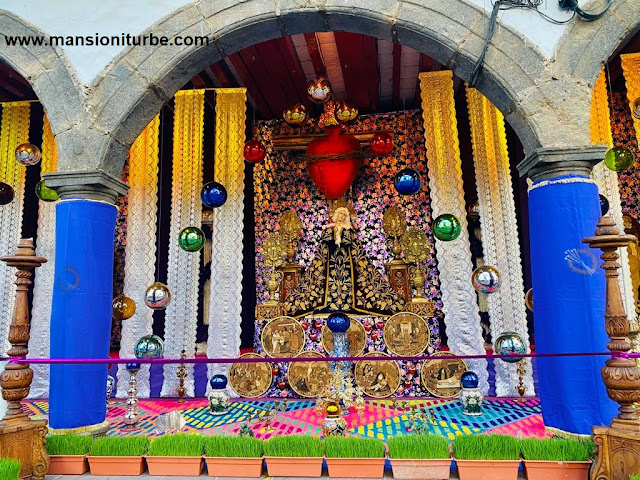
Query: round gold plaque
[378,378]
[309,379]
[406,334]
[355,334]
[441,377]
[283,337]
[250,380]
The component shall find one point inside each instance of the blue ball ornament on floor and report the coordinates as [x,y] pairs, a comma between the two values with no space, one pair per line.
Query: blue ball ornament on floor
[407,182]
[213,195]
[469,379]
[218,382]
[338,322]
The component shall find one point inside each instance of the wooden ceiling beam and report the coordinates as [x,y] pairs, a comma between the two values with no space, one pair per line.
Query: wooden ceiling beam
[314,53]
[265,79]
[292,61]
[397,55]
[252,89]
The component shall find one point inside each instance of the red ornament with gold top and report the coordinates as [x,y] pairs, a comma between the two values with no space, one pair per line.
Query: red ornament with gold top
[382,143]
[254,151]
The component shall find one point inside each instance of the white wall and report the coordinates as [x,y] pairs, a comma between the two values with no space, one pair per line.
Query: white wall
[114,17]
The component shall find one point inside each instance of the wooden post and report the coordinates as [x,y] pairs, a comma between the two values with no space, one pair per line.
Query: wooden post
[619,444]
[21,437]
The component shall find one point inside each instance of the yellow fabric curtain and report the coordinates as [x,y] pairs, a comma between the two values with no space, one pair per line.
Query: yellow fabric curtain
[15,131]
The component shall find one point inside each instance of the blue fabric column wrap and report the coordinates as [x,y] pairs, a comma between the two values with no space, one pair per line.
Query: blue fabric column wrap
[81,311]
[569,301]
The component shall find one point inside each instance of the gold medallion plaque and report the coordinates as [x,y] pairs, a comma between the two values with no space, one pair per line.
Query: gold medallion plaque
[441,377]
[355,334]
[378,378]
[283,337]
[406,334]
[250,380]
[309,379]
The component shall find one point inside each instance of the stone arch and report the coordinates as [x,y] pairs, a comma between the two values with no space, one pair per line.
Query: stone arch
[47,70]
[541,108]
[586,46]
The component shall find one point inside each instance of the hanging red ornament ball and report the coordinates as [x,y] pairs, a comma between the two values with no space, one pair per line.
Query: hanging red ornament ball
[254,151]
[382,143]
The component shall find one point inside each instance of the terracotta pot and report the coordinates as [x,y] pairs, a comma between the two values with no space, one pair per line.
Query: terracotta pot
[116,465]
[234,467]
[355,467]
[421,468]
[67,465]
[184,466]
[294,466]
[541,470]
[488,469]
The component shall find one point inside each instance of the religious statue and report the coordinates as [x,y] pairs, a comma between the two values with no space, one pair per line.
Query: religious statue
[342,278]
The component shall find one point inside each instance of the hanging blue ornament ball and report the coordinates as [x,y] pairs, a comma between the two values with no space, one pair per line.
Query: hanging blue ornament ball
[407,182]
[218,382]
[213,195]
[338,322]
[149,346]
[132,367]
[469,379]
[604,205]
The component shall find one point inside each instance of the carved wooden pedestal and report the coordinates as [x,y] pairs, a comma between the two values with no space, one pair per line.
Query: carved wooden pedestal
[21,437]
[618,444]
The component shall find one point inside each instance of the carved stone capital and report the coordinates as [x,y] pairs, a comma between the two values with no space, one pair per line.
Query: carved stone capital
[546,163]
[91,184]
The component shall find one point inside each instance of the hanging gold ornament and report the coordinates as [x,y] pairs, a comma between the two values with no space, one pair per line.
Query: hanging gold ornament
[295,115]
[28,154]
[345,112]
[319,90]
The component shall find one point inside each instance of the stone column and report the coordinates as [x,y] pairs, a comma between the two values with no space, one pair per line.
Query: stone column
[82,297]
[568,287]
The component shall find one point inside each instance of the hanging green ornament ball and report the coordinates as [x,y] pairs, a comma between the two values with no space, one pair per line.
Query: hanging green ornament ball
[45,193]
[618,159]
[446,227]
[191,239]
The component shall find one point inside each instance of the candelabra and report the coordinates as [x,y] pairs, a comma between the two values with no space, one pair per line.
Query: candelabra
[521,388]
[394,225]
[291,231]
[132,415]
[416,251]
[110,384]
[181,373]
[273,253]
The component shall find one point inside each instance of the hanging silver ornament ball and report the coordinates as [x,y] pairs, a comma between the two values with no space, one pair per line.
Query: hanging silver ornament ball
[149,346]
[486,279]
[157,296]
[508,343]
[28,154]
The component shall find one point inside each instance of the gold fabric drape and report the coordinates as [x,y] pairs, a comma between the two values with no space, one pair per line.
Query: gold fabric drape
[460,308]
[227,229]
[500,241]
[186,211]
[140,250]
[15,131]
[45,275]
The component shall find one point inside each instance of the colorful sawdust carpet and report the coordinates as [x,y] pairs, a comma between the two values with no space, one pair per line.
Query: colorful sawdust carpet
[380,418]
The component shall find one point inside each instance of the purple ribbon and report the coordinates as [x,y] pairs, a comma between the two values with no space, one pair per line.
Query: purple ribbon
[54,361]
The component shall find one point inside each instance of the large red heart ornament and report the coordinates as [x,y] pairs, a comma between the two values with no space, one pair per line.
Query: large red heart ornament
[334,174]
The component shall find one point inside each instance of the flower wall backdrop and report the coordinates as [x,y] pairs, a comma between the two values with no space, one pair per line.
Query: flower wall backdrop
[281,183]
[624,134]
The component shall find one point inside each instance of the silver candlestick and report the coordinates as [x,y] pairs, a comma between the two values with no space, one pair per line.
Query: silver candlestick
[131,416]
